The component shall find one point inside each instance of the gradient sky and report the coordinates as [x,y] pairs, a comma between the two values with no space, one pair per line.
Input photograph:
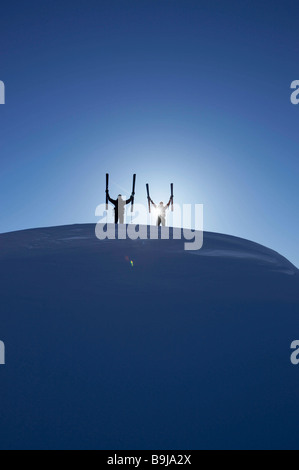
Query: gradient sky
[186,91]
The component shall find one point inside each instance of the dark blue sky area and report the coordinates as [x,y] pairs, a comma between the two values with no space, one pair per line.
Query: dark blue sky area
[191,92]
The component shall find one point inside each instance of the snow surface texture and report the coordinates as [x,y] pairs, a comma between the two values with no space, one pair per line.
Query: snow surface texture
[182,350]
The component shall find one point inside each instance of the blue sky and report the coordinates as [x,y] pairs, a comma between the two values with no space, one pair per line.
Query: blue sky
[191,92]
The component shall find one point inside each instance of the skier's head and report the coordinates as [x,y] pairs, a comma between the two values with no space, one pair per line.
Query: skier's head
[161,203]
[120,196]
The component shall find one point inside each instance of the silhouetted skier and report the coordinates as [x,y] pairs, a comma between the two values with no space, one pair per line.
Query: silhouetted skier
[119,207]
[161,220]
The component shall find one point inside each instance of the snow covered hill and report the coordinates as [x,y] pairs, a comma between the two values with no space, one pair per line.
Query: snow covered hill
[141,345]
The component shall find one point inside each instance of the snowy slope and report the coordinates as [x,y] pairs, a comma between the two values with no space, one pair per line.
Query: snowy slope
[181,351]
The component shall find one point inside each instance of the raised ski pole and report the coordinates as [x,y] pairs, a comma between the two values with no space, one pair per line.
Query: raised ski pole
[107,189]
[148,198]
[171,189]
[133,193]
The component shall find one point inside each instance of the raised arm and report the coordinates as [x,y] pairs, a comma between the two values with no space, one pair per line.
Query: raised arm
[128,201]
[170,200]
[152,202]
[110,199]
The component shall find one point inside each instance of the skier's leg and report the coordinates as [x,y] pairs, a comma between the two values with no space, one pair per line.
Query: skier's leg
[163,221]
[121,218]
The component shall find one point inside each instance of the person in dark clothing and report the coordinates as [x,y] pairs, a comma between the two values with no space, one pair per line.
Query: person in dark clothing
[119,207]
[161,210]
